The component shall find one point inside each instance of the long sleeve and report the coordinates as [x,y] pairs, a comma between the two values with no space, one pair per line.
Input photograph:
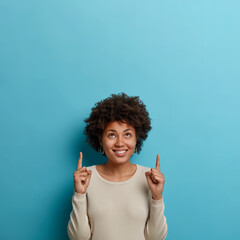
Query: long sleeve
[156,226]
[78,225]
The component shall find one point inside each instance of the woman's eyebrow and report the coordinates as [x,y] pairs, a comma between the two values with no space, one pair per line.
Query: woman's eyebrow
[127,130]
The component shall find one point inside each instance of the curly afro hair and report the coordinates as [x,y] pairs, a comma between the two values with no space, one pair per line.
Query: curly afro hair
[118,107]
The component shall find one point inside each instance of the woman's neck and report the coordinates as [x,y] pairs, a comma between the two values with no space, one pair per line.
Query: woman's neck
[118,170]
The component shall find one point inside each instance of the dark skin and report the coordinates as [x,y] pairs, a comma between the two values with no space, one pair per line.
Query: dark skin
[119,141]
[154,178]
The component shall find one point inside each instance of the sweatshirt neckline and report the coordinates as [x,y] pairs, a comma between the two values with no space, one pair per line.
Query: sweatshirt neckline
[121,182]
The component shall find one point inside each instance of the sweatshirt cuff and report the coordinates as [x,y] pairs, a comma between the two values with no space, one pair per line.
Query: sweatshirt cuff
[79,196]
[156,203]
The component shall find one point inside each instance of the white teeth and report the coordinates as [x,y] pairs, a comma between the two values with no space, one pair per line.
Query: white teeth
[120,152]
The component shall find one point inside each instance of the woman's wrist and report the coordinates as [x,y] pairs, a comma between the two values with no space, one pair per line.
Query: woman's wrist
[157,197]
[79,192]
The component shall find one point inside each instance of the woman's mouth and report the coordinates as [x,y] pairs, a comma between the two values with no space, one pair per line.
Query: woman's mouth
[120,153]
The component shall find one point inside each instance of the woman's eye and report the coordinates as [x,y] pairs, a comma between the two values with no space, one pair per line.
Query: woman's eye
[111,135]
[128,135]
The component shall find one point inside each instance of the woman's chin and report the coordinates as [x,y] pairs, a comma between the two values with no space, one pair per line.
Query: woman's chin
[119,158]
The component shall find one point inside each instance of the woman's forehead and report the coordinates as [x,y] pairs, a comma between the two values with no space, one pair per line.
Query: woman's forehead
[118,126]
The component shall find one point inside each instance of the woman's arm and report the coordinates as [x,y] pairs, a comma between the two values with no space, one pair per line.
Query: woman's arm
[78,225]
[156,226]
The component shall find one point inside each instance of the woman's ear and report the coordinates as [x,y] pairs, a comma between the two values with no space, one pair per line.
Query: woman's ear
[100,141]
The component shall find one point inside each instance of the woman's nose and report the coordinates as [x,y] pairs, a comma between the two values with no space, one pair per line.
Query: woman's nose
[119,142]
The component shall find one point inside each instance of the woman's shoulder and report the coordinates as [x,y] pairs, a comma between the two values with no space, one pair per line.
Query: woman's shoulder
[143,168]
[91,167]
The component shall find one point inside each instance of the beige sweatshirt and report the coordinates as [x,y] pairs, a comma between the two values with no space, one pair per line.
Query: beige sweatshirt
[117,210]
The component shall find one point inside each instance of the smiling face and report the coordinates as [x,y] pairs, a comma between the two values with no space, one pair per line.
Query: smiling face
[118,141]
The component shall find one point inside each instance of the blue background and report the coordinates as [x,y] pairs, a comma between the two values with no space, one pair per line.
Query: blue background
[59,57]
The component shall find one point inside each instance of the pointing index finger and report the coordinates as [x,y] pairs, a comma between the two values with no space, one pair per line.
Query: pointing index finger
[158,163]
[79,161]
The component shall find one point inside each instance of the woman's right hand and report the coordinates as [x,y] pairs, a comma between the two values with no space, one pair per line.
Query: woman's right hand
[81,177]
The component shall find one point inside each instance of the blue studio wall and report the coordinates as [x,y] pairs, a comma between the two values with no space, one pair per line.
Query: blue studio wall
[58,58]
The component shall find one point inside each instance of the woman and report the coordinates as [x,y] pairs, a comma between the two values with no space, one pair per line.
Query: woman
[118,200]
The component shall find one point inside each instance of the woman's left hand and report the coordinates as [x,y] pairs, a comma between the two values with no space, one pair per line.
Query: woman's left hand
[156,180]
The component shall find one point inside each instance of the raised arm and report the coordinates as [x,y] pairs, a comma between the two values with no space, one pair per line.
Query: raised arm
[78,225]
[156,226]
